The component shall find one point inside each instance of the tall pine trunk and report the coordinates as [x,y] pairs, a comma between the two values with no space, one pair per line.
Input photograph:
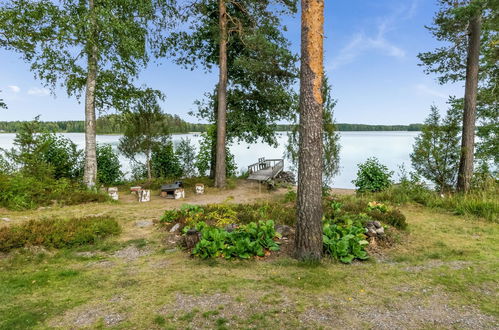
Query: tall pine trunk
[308,240]
[470,96]
[90,170]
[220,173]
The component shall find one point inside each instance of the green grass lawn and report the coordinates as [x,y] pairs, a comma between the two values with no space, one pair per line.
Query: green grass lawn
[444,273]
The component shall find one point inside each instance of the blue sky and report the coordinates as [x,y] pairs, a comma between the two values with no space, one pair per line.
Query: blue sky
[370,57]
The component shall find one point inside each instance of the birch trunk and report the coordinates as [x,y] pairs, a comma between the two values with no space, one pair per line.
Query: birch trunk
[90,170]
[308,240]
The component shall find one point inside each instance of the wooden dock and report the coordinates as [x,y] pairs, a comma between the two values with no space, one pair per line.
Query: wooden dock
[265,169]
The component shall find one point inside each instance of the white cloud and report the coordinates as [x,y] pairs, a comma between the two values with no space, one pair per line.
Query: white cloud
[361,42]
[38,91]
[14,88]
[424,89]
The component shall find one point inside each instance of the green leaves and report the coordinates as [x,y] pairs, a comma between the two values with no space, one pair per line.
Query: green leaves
[372,176]
[344,242]
[57,36]
[261,68]
[243,242]
[436,151]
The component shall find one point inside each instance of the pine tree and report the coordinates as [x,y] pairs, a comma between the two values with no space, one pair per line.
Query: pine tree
[308,241]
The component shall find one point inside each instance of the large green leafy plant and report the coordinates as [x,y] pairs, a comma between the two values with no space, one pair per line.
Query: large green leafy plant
[243,242]
[344,242]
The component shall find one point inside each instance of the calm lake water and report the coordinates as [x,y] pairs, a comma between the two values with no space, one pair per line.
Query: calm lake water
[391,148]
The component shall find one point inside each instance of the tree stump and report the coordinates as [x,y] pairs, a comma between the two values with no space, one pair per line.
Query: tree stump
[113,192]
[199,188]
[144,195]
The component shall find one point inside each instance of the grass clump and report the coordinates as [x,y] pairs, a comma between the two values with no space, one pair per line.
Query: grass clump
[480,202]
[57,232]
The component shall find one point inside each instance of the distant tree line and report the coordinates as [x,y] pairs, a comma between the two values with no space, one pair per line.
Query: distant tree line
[108,124]
[113,124]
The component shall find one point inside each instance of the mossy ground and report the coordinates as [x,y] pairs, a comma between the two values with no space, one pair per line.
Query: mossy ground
[442,274]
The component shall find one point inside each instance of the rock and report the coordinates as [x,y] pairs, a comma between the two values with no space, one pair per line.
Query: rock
[6,219]
[175,228]
[230,228]
[380,231]
[371,232]
[284,231]
[377,224]
[287,177]
[143,223]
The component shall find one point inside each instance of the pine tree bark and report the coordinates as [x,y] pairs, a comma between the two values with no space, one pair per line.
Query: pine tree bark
[220,173]
[90,170]
[308,240]
[213,159]
[470,99]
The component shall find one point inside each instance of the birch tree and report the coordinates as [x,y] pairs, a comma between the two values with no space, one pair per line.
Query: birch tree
[94,49]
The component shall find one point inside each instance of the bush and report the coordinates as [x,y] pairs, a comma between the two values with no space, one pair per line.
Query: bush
[224,214]
[360,212]
[164,162]
[63,156]
[108,165]
[344,242]
[20,192]
[253,239]
[372,176]
[57,233]
[186,154]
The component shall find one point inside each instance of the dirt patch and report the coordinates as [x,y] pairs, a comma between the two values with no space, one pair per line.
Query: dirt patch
[429,311]
[131,253]
[84,317]
[455,265]
[434,311]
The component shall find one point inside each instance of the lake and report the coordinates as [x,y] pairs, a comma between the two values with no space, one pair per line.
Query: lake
[391,148]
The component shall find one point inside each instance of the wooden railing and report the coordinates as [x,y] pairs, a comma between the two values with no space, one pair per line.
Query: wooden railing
[277,166]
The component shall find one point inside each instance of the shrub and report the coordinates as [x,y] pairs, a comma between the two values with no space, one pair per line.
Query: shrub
[164,162]
[186,154]
[243,242]
[57,233]
[344,242]
[20,192]
[108,165]
[224,214]
[360,212]
[372,176]
[63,156]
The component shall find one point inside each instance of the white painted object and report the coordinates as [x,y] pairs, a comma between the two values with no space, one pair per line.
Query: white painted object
[113,192]
[144,195]
[179,193]
[199,188]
